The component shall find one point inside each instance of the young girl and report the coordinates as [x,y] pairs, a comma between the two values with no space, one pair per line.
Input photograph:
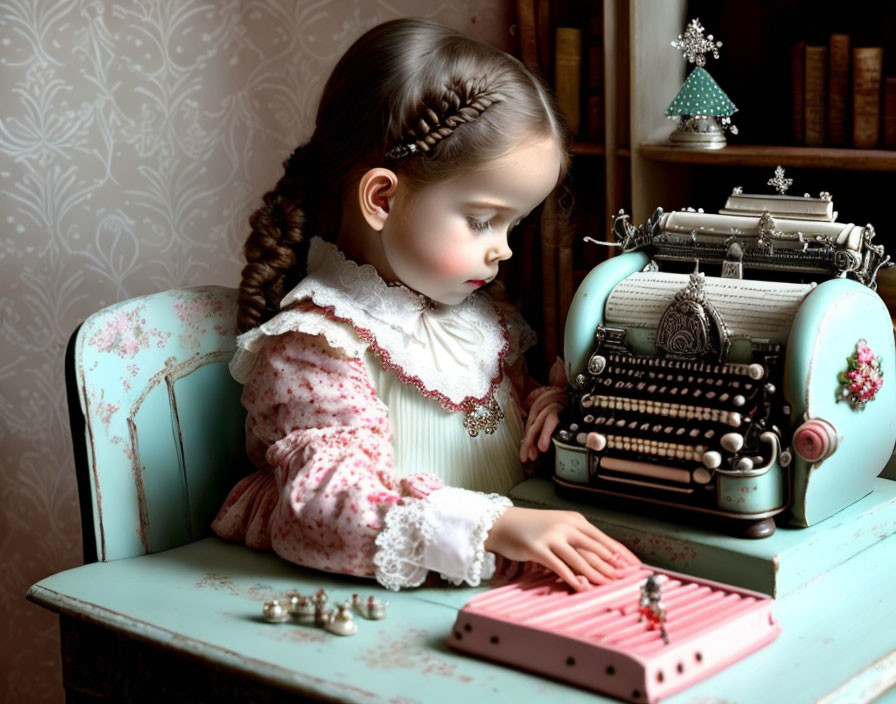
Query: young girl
[377,371]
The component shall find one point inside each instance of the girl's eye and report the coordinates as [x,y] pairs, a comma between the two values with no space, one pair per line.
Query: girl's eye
[479,225]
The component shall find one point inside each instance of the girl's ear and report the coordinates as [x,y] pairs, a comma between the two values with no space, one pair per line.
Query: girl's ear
[375,192]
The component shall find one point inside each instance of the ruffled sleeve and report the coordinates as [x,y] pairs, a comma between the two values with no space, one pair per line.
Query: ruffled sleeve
[325,495]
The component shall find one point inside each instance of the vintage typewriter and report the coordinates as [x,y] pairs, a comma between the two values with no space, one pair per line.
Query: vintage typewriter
[732,364]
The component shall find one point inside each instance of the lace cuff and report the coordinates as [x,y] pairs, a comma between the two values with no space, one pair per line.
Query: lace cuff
[444,532]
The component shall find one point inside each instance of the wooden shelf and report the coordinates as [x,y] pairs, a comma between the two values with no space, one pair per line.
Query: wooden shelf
[588,148]
[766,155]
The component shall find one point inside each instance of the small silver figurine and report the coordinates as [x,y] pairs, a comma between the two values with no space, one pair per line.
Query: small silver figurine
[304,610]
[276,611]
[651,608]
[374,609]
[342,623]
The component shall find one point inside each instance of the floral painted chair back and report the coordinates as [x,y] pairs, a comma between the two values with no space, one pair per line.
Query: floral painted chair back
[156,418]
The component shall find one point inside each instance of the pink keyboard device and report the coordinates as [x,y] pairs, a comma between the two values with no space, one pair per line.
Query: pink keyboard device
[595,639]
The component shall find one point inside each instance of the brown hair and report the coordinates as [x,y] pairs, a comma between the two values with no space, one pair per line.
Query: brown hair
[409,94]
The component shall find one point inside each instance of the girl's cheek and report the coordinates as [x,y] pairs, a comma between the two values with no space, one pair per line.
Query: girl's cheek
[450,264]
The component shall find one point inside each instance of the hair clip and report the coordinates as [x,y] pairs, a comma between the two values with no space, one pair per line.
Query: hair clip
[400,151]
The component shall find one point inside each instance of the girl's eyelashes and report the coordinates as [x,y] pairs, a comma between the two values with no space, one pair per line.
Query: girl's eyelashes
[479,225]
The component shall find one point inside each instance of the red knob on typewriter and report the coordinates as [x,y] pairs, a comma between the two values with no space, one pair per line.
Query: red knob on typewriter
[815,440]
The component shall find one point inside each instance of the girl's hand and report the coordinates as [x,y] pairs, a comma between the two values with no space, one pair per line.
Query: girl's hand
[544,416]
[564,542]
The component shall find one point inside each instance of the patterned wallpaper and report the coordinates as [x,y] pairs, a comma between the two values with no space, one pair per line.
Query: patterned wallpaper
[136,136]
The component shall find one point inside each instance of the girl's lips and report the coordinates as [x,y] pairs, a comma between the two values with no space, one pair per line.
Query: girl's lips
[476,282]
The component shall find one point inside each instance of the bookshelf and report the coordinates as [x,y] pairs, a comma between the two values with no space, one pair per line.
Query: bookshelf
[600,171]
[772,155]
[631,165]
[755,70]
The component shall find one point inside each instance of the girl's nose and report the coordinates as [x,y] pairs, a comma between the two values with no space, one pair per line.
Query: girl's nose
[500,250]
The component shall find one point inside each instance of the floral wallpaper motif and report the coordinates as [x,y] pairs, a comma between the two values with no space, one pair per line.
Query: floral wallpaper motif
[136,136]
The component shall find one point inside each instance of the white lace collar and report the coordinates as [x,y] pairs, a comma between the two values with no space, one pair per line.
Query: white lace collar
[452,353]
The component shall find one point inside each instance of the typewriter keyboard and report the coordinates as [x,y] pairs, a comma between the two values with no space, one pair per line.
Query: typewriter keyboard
[671,423]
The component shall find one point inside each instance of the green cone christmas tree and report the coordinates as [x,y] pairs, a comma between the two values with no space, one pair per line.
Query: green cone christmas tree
[701,106]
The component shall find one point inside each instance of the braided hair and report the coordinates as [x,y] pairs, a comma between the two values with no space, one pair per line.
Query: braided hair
[410,95]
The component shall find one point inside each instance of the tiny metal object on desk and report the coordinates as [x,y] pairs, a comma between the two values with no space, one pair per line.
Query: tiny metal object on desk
[305,611]
[293,599]
[341,623]
[376,609]
[322,616]
[275,611]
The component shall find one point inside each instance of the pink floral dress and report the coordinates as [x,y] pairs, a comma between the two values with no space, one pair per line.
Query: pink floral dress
[385,428]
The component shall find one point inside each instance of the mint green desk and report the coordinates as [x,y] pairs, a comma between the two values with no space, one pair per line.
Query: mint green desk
[163,613]
[183,625]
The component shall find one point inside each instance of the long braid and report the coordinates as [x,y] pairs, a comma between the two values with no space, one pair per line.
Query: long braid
[439,114]
[276,248]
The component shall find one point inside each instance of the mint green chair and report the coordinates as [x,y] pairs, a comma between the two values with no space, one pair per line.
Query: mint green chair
[156,419]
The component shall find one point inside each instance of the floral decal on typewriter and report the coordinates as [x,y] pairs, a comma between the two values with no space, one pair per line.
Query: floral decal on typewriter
[863,377]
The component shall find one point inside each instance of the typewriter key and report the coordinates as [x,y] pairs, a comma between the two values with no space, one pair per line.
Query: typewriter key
[596,441]
[755,371]
[712,459]
[701,475]
[732,442]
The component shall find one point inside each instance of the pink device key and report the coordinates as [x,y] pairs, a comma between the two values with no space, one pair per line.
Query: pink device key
[600,638]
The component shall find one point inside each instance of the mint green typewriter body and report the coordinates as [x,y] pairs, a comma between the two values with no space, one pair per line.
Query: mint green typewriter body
[821,444]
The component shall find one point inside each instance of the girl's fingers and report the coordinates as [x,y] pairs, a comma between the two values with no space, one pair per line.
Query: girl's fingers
[614,546]
[558,567]
[547,398]
[586,541]
[535,426]
[603,566]
[599,556]
[528,445]
[547,430]
[574,560]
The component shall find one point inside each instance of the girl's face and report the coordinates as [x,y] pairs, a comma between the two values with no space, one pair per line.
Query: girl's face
[447,239]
